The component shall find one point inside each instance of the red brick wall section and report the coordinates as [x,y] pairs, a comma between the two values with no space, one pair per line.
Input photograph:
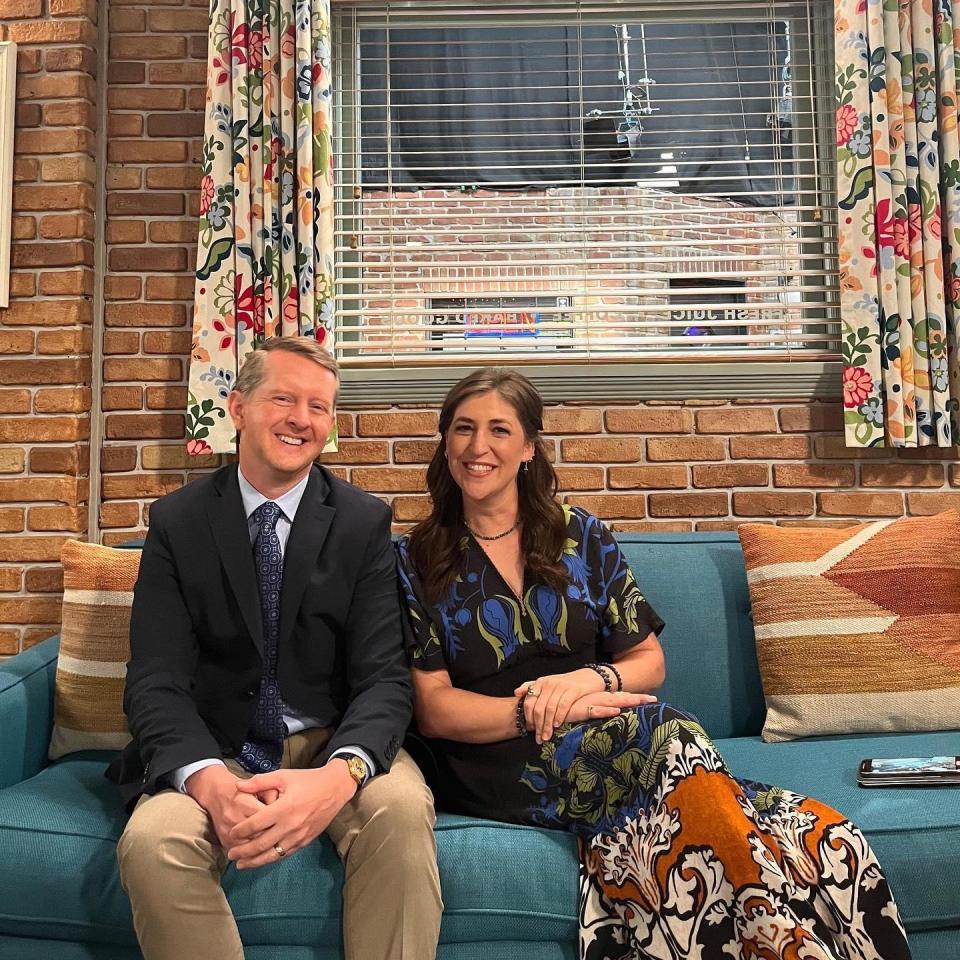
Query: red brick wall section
[699,465]
[155,99]
[45,334]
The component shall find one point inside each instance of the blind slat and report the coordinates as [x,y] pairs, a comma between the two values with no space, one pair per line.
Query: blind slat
[622,321]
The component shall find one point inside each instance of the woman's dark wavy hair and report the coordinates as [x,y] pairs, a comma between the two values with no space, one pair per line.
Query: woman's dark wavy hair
[434,542]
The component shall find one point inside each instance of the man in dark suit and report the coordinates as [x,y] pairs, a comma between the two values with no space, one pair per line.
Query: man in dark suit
[267,691]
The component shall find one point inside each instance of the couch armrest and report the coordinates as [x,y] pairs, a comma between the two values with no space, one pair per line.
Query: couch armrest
[26,711]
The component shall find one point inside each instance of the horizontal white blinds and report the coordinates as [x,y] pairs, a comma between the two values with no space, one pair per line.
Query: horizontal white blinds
[588,181]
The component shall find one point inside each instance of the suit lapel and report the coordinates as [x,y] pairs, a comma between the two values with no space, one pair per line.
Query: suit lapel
[232,536]
[307,536]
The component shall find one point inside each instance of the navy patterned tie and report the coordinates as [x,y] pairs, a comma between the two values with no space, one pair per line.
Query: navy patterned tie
[264,747]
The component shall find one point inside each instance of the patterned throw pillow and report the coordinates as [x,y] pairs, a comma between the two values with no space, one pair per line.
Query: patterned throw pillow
[94,648]
[858,630]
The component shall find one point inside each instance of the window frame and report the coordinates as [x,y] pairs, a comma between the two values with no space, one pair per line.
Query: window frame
[597,381]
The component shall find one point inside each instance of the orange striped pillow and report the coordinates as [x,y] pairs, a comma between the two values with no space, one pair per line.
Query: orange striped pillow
[858,630]
[94,648]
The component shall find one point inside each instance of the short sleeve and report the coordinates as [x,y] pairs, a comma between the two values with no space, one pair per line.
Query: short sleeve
[420,638]
[628,619]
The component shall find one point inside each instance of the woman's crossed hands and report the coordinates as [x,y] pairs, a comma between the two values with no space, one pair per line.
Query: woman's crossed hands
[573,697]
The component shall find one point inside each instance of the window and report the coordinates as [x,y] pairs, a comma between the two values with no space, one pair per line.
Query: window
[584,183]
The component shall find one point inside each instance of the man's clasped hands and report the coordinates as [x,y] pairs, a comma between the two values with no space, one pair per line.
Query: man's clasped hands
[256,818]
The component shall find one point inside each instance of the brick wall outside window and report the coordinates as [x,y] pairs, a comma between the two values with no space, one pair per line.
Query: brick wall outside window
[667,465]
[569,241]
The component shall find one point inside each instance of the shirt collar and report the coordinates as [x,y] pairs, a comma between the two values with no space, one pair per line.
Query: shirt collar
[288,503]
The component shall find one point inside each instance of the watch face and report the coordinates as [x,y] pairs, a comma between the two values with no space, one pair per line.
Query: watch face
[358,769]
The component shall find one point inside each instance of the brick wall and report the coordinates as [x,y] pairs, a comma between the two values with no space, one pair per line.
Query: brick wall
[155,97]
[45,335]
[696,465]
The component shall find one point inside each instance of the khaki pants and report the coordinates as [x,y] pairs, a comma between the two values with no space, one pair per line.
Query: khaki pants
[171,863]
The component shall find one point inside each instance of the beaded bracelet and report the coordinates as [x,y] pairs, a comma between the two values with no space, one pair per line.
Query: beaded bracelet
[616,673]
[520,718]
[599,669]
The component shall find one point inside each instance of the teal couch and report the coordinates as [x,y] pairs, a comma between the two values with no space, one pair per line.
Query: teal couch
[510,892]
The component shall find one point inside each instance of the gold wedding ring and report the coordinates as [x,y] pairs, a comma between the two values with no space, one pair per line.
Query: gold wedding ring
[589,709]
[532,691]
[280,851]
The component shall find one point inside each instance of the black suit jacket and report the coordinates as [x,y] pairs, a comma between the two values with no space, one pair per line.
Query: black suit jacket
[196,633]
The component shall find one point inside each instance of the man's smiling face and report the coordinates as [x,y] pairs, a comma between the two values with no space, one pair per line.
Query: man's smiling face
[284,421]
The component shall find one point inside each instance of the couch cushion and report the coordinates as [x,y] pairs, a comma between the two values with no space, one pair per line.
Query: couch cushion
[915,832]
[858,630]
[58,834]
[59,831]
[506,882]
[698,584]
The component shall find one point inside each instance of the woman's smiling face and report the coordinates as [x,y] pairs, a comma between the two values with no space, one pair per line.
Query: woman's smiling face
[485,447]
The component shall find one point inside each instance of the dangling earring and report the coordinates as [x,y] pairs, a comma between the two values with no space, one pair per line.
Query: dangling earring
[526,465]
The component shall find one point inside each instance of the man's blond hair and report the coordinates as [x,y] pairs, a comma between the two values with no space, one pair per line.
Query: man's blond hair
[251,373]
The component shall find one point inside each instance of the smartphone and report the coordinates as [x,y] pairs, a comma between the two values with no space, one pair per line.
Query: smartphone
[909,772]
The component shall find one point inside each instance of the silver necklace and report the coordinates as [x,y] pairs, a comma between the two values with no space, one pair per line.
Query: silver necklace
[496,536]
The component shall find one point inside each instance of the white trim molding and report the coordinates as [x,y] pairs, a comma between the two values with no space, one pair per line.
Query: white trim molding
[8,102]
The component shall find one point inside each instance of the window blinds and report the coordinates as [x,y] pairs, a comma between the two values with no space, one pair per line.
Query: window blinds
[584,182]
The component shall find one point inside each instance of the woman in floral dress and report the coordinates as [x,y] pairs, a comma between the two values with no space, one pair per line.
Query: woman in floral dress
[534,654]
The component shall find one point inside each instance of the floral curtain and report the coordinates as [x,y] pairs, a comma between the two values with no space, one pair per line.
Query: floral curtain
[265,255]
[898,164]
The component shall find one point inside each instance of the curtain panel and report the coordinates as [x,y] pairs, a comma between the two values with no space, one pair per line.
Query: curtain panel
[265,249]
[898,188]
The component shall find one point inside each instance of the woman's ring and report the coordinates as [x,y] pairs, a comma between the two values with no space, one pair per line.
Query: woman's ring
[280,851]
[589,709]
[532,691]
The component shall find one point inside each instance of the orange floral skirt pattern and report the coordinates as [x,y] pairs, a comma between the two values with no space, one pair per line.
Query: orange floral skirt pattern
[682,861]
